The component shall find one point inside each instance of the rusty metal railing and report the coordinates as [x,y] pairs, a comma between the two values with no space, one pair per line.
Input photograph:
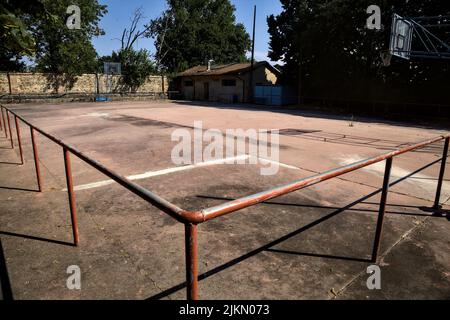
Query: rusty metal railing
[191,219]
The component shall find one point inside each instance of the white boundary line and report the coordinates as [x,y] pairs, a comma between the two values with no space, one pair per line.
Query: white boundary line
[283,165]
[150,174]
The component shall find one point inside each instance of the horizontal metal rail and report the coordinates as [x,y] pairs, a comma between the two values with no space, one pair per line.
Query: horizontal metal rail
[234,205]
[192,218]
[145,194]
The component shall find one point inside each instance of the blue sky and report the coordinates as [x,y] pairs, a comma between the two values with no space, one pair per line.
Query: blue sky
[120,13]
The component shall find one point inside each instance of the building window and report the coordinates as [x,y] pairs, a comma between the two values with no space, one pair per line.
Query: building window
[189,83]
[228,83]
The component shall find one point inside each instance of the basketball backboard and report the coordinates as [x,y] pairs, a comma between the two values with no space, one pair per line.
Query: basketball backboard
[401,37]
[112,68]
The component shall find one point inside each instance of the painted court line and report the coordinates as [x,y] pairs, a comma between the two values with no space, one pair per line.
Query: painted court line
[150,174]
[283,165]
[161,172]
[374,168]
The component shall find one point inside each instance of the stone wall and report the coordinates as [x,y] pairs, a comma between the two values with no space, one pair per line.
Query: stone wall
[4,86]
[41,83]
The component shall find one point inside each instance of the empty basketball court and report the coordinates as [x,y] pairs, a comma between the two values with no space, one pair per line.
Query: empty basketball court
[314,243]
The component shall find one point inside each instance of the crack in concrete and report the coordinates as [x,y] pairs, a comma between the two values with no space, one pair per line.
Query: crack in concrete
[447,201]
[382,256]
[55,178]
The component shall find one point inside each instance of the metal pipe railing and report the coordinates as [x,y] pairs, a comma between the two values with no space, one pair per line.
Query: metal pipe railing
[441,175]
[382,210]
[192,218]
[9,129]
[36,159]
[145,194]
[241,203]
[71,194]
[18,139]
[4,124]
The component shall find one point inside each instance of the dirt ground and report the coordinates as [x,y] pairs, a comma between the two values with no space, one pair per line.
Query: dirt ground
[311,244]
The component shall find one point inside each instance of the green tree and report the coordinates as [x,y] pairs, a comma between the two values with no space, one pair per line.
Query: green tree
[64,52]
[327,48]
[15,39]
[190,32]
[136,65]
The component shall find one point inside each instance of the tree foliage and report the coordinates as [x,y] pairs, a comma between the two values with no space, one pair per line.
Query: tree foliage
[15,39]
[37,28]
[136,65]
[326,45]
[190,32]
[63,50]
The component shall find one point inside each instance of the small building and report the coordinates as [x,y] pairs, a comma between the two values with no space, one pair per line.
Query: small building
[225,83]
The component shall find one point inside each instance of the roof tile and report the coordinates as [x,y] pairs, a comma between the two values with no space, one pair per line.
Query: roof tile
[231,68]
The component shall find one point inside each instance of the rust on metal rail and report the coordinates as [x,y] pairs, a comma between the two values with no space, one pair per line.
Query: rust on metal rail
[19,140]
[382,210]
[162,204]
[9,128]
[4,123]
[191,218]
[191,249]
[234,205]
[36,159]
[71,194]
[441,175]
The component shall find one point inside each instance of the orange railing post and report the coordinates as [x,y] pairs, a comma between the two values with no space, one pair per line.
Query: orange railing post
[382,210]
[191,253]
[441,175]
[18,138]
[36,159]
[1,122]
[4,123]
[9,128]
[73,208]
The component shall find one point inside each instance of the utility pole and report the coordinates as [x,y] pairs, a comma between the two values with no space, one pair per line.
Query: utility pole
[253,56]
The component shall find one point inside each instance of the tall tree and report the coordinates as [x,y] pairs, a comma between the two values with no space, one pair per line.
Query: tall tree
[136,65]
[60,50]
[190,32]
[338,57]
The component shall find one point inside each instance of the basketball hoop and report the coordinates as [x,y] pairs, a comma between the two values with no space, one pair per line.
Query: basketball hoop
[386,57]
[111,69]
[427,45]
[401,37]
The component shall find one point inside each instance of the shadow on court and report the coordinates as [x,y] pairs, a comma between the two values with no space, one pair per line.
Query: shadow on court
[268,247]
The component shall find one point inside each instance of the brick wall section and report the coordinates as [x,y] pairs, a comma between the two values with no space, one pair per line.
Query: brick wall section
[37,83]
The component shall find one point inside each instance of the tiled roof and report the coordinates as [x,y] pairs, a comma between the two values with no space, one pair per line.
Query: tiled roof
[232,68]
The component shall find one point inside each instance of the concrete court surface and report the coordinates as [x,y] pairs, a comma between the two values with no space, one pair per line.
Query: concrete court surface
[311,244]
